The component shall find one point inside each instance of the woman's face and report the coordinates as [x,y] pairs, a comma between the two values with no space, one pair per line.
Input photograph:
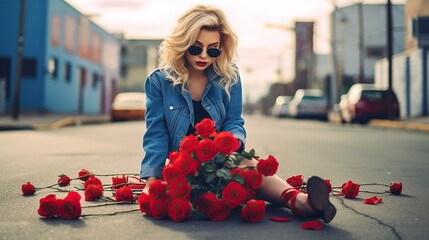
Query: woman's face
[205,40]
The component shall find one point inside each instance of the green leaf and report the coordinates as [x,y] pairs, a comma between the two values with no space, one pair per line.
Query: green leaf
[238,178]
[209,167]
[210,178]
[222,173]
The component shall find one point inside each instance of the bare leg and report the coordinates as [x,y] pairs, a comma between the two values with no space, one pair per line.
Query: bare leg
[272,188]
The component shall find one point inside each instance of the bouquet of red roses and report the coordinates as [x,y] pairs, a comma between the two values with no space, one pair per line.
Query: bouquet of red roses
[205,176]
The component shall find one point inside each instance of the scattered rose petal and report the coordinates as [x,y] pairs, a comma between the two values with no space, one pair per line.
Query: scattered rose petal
[312,225]
[279,219]
[373,200]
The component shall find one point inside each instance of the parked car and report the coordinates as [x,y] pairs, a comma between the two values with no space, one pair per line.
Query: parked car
[129,106]
[309,103]
[281,106]
[364,102]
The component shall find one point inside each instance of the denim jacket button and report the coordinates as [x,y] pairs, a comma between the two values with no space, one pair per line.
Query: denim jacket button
[171,107]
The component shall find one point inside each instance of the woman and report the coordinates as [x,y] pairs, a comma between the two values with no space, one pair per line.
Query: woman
[197,79]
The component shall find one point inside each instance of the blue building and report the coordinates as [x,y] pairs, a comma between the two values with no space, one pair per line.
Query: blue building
[69,64]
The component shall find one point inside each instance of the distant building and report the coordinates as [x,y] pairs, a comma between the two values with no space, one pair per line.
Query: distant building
[360,39]
[139,57]
[69,64]
[414,9]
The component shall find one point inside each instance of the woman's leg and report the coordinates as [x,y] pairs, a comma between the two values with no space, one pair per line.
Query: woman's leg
[273,187]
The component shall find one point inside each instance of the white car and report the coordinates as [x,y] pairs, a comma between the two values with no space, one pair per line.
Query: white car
[309,103]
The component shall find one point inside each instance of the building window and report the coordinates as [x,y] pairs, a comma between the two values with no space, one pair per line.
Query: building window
[375,52]
[53,67]
[67,72]
[29,67]
[94,80]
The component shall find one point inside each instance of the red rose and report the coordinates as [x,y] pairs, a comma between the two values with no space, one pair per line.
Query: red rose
[253,179]
[179,210]
[48,207]
[189,144]
[205,128]
[84,174]
[179,188]
[157,189]
[395,187]
[28,189]
[69,207]
[172,156]
[253,211]
[328,182]
[218,211]
[350,189]
[92,180]
[185,165]
[206,150]
[158,208]
[119,181]
[295,181]
[226,143]
[204,201]
[64,180]
[144,203]
[233,194]
[93,192]
[124,194]
[169,173]
[268,167]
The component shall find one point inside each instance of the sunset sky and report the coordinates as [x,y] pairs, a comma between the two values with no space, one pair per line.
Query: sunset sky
[261,50]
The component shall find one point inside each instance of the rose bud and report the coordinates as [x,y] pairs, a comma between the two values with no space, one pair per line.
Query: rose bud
[84,174]
[28,189]
[395,188]
[64,180]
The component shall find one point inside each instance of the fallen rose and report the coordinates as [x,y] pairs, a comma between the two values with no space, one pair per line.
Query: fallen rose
[64,180]
[69,207]
[350,189]
[395,188]
[84,174]
[117,182]
[93,192]
[328,182]
[48,206]
[253,211]
[28,189]
[124,194]
[92,180]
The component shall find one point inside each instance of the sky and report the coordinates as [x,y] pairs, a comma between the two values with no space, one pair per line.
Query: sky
[261,50]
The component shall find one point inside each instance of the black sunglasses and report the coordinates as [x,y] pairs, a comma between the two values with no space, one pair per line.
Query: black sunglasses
[212,52]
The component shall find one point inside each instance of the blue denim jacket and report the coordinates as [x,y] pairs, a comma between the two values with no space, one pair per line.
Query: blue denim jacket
[170,111]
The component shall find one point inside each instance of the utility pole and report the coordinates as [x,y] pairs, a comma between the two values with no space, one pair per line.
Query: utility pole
[18,71]
[361,44]
[389,57]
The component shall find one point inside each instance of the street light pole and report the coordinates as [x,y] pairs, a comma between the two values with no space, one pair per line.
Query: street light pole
[389,58]
[19,52]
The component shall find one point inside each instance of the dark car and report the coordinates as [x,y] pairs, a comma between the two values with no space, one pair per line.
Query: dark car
[364,102]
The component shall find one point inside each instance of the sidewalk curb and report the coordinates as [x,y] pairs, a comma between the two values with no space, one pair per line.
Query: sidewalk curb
[400,125]
[65,122]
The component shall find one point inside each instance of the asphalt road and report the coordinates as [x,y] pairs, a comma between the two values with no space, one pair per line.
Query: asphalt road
[359,153]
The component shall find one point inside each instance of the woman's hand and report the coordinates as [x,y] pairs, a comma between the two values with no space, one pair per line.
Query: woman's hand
[149,180]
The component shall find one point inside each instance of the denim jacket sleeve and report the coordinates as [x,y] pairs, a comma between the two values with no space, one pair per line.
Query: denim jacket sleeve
[234,121]
[156,137]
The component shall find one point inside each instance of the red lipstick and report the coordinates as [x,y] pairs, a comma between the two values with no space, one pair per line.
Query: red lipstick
[201,64]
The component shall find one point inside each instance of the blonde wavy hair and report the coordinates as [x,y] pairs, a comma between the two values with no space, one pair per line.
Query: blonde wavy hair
[185,33]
